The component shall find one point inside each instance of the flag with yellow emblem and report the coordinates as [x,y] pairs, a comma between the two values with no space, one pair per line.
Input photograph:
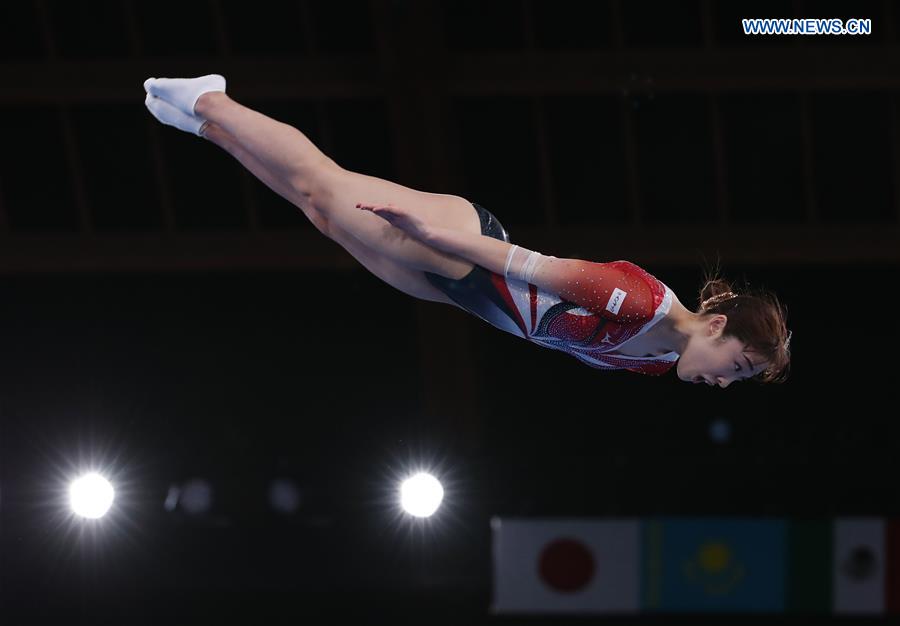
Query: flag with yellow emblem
[714,565]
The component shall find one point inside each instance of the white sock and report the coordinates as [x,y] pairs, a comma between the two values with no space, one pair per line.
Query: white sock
[183,93]
[168,114]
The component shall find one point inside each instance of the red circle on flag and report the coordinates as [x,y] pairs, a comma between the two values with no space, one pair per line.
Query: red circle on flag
[566,565]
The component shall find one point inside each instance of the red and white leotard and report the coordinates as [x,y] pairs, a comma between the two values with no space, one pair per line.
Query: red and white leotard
[585,309]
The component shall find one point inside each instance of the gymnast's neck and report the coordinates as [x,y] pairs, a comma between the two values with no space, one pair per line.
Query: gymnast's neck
[675,330]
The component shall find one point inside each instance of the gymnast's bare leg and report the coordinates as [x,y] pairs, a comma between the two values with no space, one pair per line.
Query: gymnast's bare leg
[408,280]
[328,194]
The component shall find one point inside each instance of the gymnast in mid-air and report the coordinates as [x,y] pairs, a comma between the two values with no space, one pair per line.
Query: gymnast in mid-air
[443,248]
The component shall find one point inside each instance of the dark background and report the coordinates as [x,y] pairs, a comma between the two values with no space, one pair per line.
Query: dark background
[164,316]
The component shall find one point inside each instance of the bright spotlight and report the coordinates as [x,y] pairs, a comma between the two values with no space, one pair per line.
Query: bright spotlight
[91,496]
[421,495]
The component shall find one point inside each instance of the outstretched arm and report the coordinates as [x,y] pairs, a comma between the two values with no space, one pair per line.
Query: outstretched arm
[615,290]
[510,260]
[492,254]
[612,290]
[481,250]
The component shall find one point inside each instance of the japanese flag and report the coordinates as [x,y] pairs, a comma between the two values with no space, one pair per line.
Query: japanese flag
[566,566]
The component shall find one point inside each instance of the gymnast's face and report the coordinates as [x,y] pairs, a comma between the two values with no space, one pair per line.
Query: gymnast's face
[712,358]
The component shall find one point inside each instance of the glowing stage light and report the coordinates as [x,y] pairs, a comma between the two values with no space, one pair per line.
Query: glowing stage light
[421,495]
[91,496]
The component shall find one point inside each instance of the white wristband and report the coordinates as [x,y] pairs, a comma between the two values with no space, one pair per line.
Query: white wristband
[531,265]
[509,257]
[522,264]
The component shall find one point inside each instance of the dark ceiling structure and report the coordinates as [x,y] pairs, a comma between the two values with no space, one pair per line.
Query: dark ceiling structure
[418,67]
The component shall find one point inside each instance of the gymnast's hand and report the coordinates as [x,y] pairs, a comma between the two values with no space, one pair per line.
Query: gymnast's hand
[401,218]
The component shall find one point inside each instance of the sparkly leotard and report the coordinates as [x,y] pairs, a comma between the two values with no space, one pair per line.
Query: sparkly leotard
[585,309]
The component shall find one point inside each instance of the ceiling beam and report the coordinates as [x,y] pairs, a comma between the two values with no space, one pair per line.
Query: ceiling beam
[671,246]
[302,77]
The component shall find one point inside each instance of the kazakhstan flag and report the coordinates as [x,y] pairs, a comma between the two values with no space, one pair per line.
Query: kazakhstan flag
[714,565]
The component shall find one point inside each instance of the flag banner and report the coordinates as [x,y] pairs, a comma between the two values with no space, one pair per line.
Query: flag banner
[892,579]
[565,565]
[859,569]
[810,547]
[723,565]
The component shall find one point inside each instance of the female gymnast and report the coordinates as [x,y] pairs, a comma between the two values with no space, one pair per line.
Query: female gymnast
[446,249]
